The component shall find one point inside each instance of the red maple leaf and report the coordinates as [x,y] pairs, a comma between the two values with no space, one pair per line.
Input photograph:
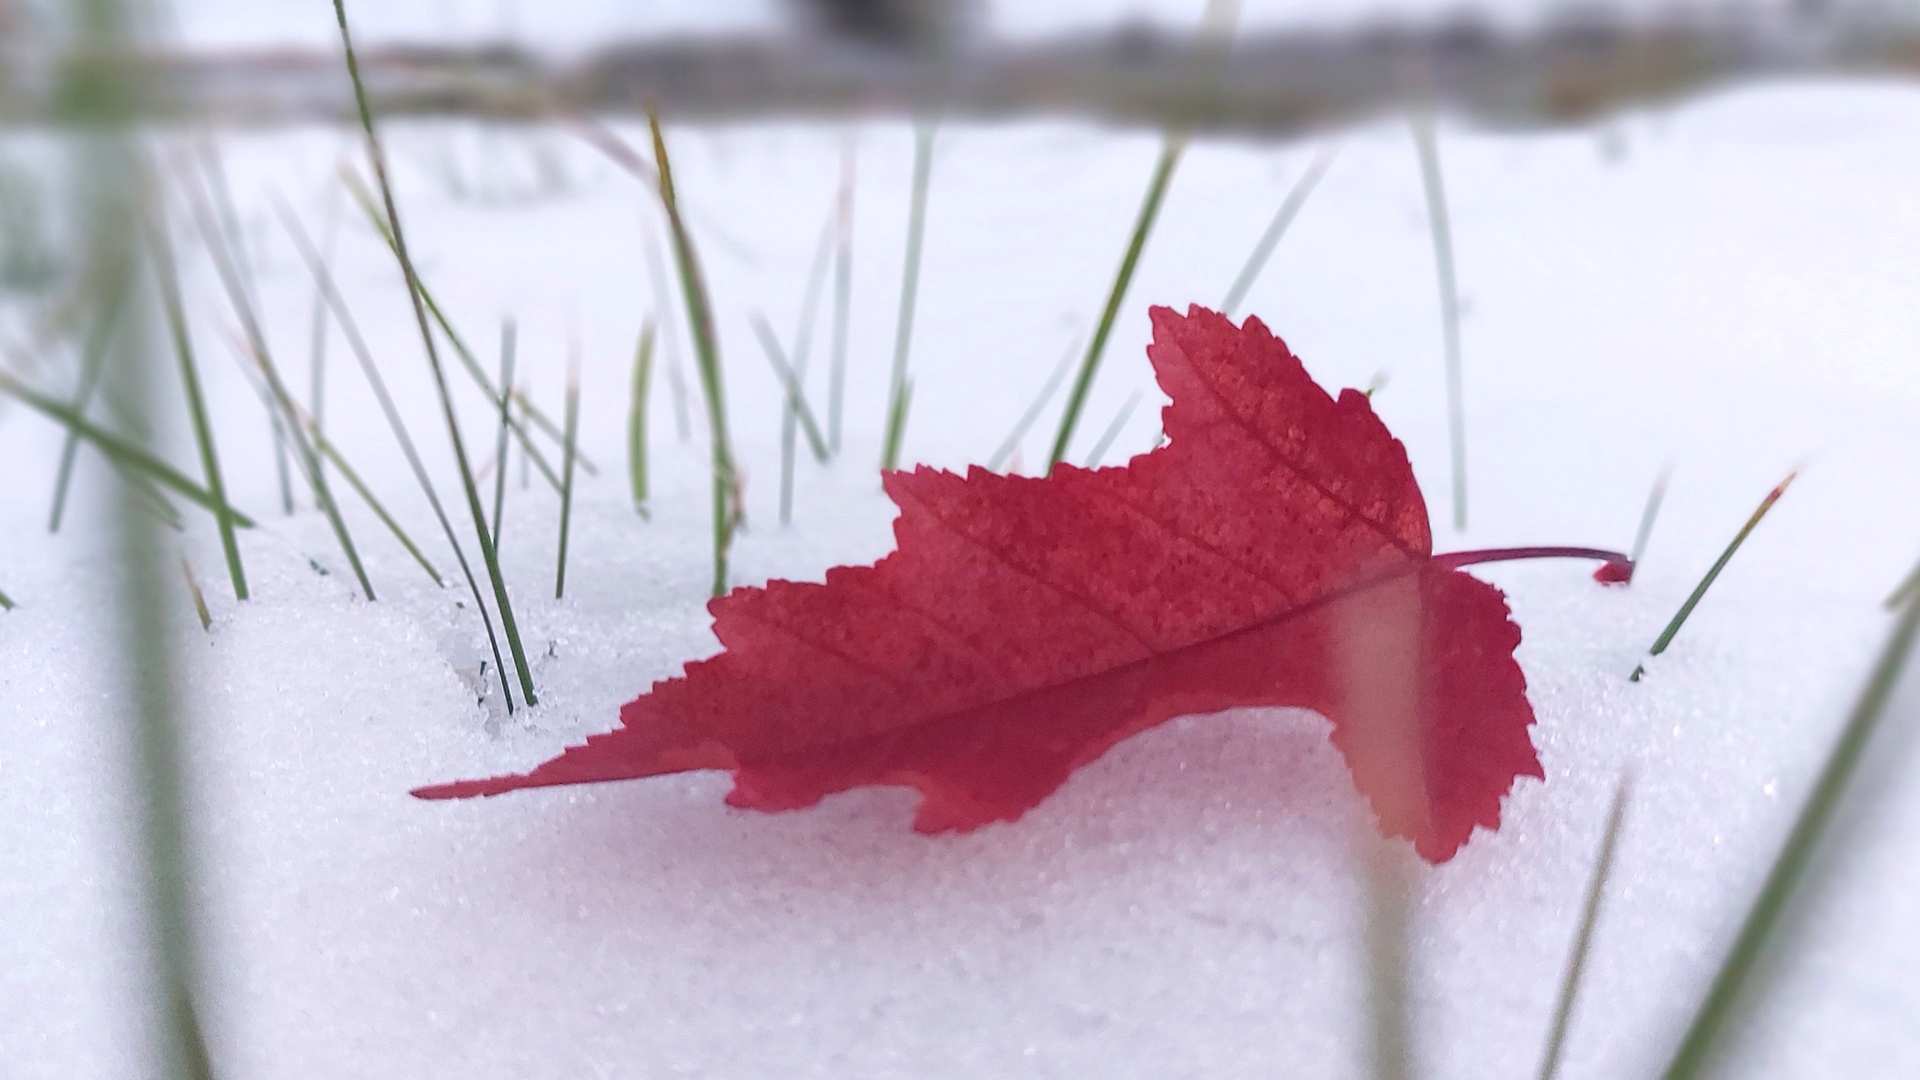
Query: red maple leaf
[1275,552]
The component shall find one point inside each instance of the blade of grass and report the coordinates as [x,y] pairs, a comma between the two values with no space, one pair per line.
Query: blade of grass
[1583,940]
[226,269]
[1680,617]
[317,354]
[802,349]
[1113,429]
[169,282]
[637,418]
[377,155]
[1386,942]
[1034,408]
[93,354]
[1427,146]
[357,344]
[676,381]
[215,173]
[897,388]
[122,452]
[172,954]
[465,355]
[1277,228]
[566,487]
[199,598]
[507,336]
[1905,590]
[332,454]
[842,294]
[1096,347]
[726,484]
[790,382]
[1649,515]
[1760,929]
[6,602]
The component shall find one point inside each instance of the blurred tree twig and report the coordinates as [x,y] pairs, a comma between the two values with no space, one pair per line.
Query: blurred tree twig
[1274,84]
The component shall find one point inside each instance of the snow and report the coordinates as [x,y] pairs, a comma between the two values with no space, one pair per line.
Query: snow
[1724,287]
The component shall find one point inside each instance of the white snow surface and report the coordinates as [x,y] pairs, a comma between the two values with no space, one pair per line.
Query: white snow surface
[1725,287]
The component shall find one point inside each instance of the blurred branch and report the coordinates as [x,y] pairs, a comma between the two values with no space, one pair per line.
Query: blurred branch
[1276,84]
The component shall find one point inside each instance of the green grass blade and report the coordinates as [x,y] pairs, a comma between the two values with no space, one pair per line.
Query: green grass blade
[1120,419]
[165,273]
[465,355]
[726,482]
[1649,515]
[508,335]
[1427,145]
[228,271]
[1905,590]
[1693,600]
[199,598]
[802,349]
[317,347]
[897,387]
[566,487]
[1583,940]
[1034,408]
[790,382]
[1277,228]
[122,452]
[670,333]
[1390,1044]
[637,418]
[1096,347]
[6,602]
[332,454]
[377,155]
[842,295]
[93,355]
[1762,924]
[169,954]
[357,344]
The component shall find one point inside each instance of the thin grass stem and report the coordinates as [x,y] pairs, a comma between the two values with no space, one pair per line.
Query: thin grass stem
[1680,617]
[1570,983]
[637,417]
[508,335]
[1113,429]
[357,344]
[6,602]
[1277,228]
[167,277]
[1034,408]
[802,349]
[377,155]
[1649,515]
[229,273]
[842,294]
[92,356]
[669,331]
[1390,1044]
[352,477]
[796,397]
[897,387]
[120,451]
[1096,347]
[468,361]
[726,482]
[1905,590]
[569,457]
[199,598]
[1427,146]
[317,348]
[1761,928]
